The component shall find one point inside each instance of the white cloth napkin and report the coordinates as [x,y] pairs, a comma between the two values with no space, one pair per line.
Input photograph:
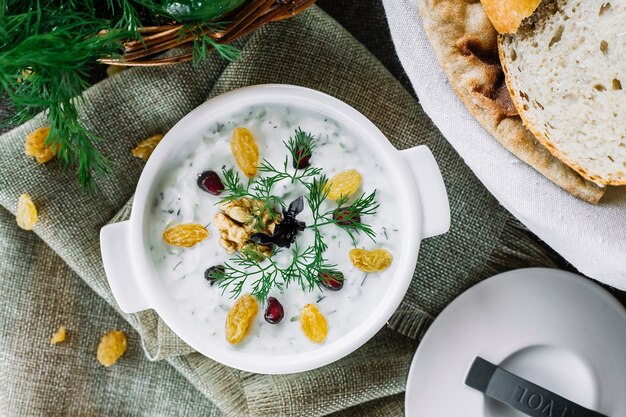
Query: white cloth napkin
[592,238]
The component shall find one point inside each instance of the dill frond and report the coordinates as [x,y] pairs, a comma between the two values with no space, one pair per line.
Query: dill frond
[47,51]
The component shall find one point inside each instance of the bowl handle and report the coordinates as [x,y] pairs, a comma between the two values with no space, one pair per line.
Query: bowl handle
[116,256]
[432,190]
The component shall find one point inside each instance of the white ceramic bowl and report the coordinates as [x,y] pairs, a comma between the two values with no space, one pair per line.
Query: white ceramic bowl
[134,279]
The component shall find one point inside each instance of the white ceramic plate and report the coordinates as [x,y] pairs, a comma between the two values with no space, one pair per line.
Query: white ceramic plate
[551,327]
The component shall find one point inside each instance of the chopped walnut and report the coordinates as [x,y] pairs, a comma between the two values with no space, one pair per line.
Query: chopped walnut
[236,222]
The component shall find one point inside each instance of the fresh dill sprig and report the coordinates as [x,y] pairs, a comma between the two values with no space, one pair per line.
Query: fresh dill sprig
[204,43]
[293,175]
[345,216]
[300,147]
[317,194]
[348,216]
[233,186]
[266,274]
[45,54]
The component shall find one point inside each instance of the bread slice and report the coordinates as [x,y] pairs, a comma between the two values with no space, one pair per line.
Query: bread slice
[507,15]
[466,46]
[566,71]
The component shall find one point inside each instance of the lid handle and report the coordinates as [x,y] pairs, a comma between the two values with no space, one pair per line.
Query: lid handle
[521,394]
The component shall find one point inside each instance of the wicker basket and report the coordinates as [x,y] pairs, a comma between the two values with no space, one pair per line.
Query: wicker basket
[158,39]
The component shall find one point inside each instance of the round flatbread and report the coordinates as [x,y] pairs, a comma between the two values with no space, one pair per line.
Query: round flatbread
[465,44]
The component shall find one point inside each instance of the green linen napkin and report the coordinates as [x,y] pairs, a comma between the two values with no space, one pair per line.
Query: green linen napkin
[42,276]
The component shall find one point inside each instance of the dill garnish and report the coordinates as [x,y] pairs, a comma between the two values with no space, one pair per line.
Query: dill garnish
[346,216]
[301,266]
[268,274]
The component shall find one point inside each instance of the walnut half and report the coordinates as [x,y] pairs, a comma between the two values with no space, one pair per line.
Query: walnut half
[238,220]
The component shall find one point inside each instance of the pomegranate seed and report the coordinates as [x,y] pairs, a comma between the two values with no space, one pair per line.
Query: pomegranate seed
[342,216]
[210,182]
[214,273]
[302,158]
[274,312]
[332,280]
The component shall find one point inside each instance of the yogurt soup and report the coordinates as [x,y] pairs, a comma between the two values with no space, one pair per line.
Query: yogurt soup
[277,231]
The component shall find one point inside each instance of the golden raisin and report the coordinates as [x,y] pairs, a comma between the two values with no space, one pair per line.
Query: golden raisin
[313,323]
[240,318]
[144,149]
[59,336]
[245,150]
[112,346]
[185,235]
[371,260]
[344,184]
[26,215]
[35,145]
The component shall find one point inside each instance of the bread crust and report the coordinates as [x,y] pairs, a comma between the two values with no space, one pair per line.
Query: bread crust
[465,44]
[507,15]
[547,143]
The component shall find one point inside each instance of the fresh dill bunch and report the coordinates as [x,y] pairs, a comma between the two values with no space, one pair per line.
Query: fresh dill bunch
[48,49]
[45,57]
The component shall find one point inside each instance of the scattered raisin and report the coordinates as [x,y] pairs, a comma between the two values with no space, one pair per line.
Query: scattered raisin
[35,145]
[240,318]
[332,280]
[59,336]
[371,260]
[185,235]
[26,215]
[214,273]
[303,157]
[344,217]
[313,323]
[112,346]
[245,151]
[144,149]
[344,184]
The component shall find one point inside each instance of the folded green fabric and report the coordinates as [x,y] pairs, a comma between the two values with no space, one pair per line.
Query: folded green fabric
[311,50]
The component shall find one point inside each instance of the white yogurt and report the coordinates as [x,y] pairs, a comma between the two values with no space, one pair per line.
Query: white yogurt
[181,201]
